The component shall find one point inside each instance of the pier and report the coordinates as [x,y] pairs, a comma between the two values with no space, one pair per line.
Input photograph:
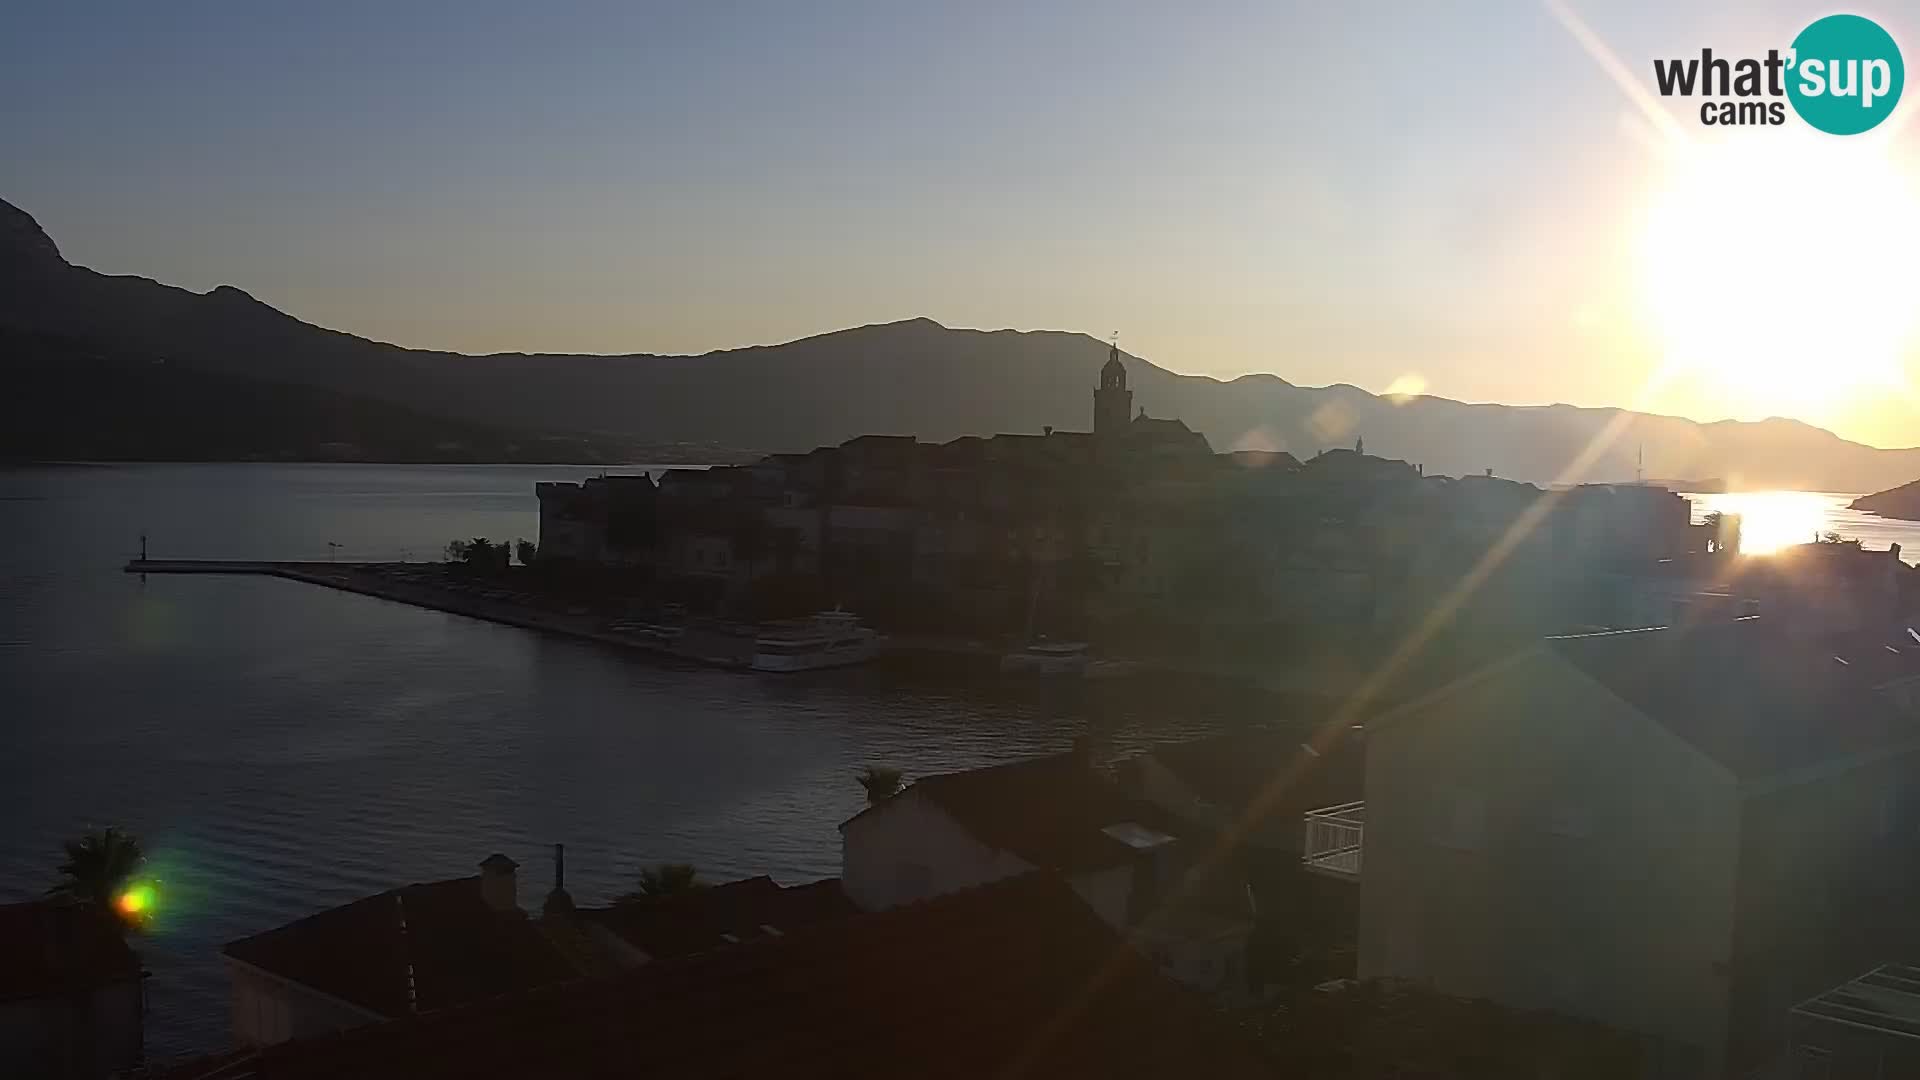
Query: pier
[380,580]
[708,643]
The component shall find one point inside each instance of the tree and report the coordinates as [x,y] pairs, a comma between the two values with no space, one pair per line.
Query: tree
[527,550]
[480,554]
[881,781]
[98,866]
[665,879]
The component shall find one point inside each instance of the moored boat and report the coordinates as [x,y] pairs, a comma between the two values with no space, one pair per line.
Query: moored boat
[827,639]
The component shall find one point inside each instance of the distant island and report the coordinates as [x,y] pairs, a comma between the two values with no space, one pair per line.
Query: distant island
[1899,502]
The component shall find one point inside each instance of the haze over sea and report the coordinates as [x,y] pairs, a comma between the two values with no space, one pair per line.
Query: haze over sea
[281,748]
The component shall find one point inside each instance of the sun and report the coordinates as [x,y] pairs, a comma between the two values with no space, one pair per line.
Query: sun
[1774,269]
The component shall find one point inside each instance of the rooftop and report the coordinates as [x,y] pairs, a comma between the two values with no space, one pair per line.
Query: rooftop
[1014,978]
[1886,999]
[1278,765]
[686,923]
[455,948]
[54,947]
[1054,812]
[1756,699]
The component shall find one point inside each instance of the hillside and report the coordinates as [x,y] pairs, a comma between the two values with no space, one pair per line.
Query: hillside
[1899,502]
[912,377]
[67,401]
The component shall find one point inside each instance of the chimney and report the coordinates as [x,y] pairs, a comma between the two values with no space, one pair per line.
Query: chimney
[559,901]
[498,886]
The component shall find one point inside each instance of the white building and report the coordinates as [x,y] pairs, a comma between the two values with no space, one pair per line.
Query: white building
[1139,870]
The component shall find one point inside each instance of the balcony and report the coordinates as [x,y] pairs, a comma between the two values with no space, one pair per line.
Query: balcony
[1333,840]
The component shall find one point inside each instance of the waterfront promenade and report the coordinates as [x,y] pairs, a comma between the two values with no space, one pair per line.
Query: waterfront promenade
[408,583]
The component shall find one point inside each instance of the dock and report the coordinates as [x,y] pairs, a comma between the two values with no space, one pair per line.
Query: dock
[377,580]
[708,644]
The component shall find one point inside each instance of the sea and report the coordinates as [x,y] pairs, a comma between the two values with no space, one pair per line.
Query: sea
[281,748]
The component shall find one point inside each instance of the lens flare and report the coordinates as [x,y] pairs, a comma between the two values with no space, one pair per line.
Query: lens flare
[136,901]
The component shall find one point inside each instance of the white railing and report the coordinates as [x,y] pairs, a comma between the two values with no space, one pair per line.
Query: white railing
[1334,838]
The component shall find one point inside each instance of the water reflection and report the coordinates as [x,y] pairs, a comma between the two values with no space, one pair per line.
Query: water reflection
[1771,520]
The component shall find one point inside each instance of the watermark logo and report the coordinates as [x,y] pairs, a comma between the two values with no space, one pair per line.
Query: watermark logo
[1849,74]
[1843,75]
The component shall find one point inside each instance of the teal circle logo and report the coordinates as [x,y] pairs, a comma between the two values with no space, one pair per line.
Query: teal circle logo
[1845,74]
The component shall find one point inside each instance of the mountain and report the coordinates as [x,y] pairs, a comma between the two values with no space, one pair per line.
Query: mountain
[68,401]
[914,377]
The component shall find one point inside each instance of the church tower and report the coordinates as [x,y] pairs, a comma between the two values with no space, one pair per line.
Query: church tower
[1112,402]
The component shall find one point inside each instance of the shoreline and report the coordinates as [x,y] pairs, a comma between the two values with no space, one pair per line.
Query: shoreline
[376,580]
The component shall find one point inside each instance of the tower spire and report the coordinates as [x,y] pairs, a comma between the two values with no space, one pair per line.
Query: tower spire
[1112,402]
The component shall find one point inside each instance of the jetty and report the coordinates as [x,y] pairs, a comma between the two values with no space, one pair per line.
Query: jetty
[706,642]
[407,583]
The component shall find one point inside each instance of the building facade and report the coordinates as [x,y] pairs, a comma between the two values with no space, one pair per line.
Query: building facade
[1675,833]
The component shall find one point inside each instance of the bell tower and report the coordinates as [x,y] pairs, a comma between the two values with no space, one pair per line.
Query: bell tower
[1112,401]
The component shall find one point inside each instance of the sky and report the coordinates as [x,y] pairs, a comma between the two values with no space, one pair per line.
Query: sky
[1394,195]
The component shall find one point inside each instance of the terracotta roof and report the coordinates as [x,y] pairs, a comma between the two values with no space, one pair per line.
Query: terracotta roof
[668,926]
[52,947]
[1755,698]
[1050,811]
[456,948]
[1015,979]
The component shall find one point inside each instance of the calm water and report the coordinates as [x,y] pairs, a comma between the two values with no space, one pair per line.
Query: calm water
[1770,520]
[282,748]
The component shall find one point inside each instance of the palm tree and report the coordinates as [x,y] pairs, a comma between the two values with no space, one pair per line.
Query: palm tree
[881,781]
[98,865]
[666,879]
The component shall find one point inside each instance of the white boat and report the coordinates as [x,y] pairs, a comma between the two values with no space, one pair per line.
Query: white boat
[1047,658]
[828,639]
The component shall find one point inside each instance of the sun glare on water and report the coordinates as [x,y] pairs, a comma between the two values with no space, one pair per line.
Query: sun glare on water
[1771,520]
[1774,268]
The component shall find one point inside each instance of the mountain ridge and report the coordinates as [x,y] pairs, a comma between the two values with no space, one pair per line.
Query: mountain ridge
[907,376]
